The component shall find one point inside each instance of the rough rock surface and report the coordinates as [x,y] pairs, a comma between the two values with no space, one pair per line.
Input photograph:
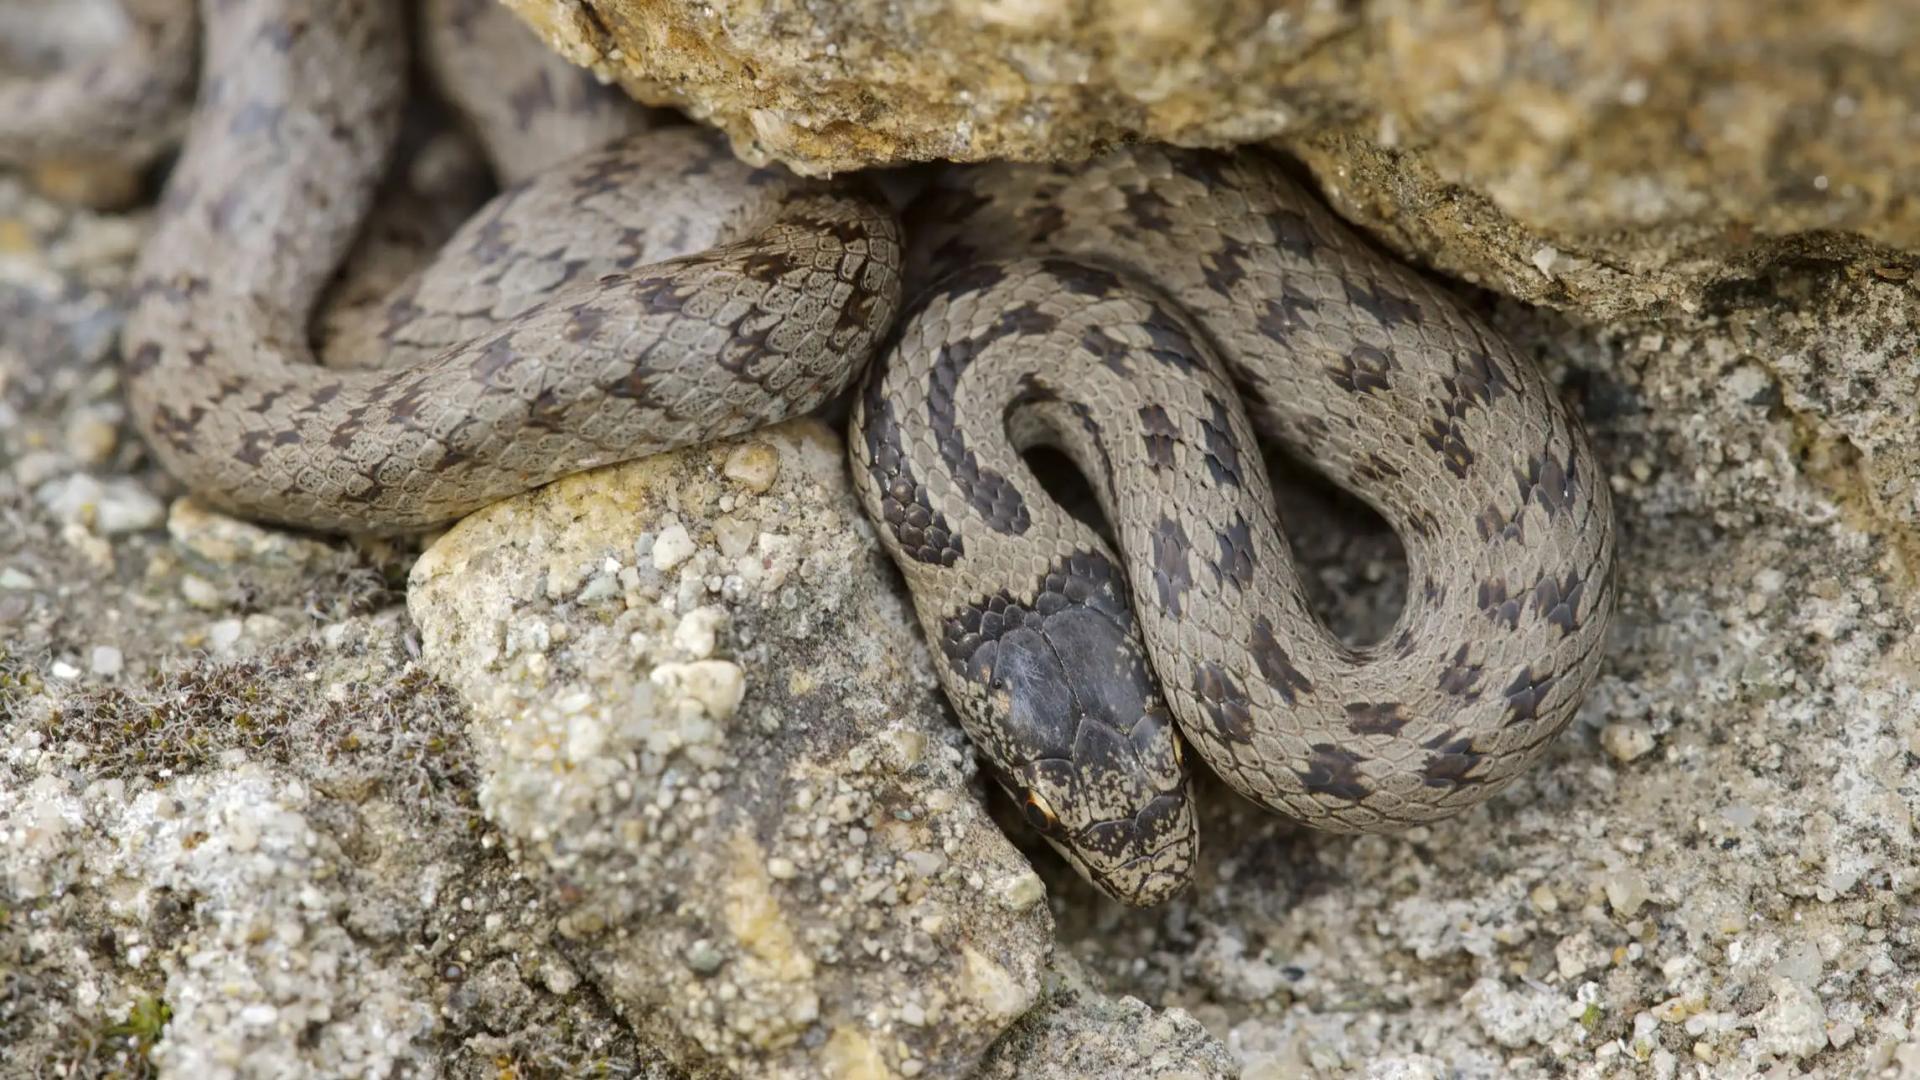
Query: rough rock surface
[1600,155]
[242,828]
[1079,1033]
[721,744]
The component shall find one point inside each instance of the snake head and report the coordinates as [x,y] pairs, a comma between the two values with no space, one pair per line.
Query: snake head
[1073,727]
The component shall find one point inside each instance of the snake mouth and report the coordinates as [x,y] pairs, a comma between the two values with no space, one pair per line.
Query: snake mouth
[1160,871]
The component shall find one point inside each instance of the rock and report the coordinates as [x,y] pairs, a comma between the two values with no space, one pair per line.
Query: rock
[1625,742]
[1626,892]
[1793,1025]
[1516,1016]
[733,768]
[117,506]
[1078,1032]
[297,885]
[1606,157]
[213,538]
[105,661]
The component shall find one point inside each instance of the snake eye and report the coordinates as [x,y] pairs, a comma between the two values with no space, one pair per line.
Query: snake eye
[1039,812]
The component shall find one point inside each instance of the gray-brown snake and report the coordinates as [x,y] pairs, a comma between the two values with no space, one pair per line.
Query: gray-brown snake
[658,293]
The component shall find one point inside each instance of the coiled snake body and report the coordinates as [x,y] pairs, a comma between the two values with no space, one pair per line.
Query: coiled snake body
[658,293]
[651,295]
[1108,310]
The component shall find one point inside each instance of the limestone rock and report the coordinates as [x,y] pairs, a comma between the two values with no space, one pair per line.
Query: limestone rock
[722,746]
[1079,1032]
[1603,156]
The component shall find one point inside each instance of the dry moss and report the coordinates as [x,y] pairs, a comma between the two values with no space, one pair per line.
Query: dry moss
[403,737]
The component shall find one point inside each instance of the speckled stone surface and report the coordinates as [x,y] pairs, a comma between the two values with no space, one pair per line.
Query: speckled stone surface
[1600,155]
[724,748]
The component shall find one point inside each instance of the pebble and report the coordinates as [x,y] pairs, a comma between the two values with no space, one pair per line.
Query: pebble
[718,685]
[600,587]
[734,536]
[1794,1024]
[92,438]
[672,547]
[754,466]
[106,661]
[1626,891]
[37,467]
[1624,742]
[698,631]
[226,541]
[703,958]
[1020,891]
[558,977]
[224,634]
[92,184]
[117,506]
[201,593]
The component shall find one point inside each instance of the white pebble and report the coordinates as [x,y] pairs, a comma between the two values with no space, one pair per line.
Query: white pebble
[734,536]
[224,634]
[699,630]
[718,685]
[558,977]
[600,587]
[105,660]
[201,593]
[1794,1024]
[117,506]
[1626,891]
[63,670]
[672,547]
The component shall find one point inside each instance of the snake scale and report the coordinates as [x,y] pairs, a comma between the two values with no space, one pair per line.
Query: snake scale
[1145,313]
[635,299]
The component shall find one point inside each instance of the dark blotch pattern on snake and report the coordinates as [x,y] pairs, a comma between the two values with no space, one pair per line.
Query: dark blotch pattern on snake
[650,295]
[1117,311]
[1145,313]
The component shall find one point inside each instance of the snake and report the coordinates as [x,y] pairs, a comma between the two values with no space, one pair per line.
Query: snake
[649,295]
[66,95]
[1151,313]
